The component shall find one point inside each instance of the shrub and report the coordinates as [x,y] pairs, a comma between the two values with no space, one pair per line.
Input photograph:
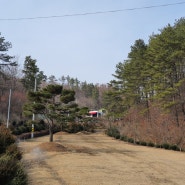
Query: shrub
[41,125]
[143,143]
[174,147]
[151,144]
[22,129]
[21,177]
[131,140]
[11,171]
[113,132]
[166,146]
[26,127]
[14,152]
[6,139]
[21,122]
[158,146]
[74,127]
[8,168]
[117,136]
[16,131]
[89,127]
[41,133]
[77,127]
[14,123]
[124,138]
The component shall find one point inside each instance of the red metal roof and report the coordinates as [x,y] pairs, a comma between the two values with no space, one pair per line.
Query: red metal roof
[93,112]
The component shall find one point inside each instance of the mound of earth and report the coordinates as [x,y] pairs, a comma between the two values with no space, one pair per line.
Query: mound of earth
[57,147]
[52,147]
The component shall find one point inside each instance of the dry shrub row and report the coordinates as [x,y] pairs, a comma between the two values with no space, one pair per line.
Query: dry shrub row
[153,128]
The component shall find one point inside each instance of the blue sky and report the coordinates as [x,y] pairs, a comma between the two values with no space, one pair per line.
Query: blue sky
[83,47]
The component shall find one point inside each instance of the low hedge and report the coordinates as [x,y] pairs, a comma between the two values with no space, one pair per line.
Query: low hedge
[113,132]
[21,127]
[36,134]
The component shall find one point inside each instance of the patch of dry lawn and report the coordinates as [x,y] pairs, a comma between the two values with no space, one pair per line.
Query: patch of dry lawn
[95,159]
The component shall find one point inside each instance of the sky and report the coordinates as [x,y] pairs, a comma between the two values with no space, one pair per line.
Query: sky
[86,47]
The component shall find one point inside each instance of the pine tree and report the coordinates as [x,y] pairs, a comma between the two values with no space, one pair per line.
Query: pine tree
[5,59]
[54,103]
[32,76]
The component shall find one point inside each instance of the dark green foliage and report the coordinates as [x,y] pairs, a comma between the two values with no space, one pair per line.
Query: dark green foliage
[26,126]
[151,144]
[113,102]
[53,89]
[5,59]
[166,146]
[132,76]
[55,104]
[88,89]
[8,168]
[174,147]
[67,96]
[11,171]
[38,125]
[75,127]
[84,111]
[83,124]
[36,134]
[124,138]
[143,143]
[130,140]
[113,132]
[32,76]
[158,146]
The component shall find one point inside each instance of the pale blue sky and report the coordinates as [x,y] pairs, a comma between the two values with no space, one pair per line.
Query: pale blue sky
[86,47]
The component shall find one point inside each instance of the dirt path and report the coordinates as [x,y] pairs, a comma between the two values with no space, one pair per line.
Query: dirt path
[95,159]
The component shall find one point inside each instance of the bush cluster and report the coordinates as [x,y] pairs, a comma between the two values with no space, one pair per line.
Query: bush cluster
[11,168]
[75,127]
[21,127]
[113,132]
[36,134]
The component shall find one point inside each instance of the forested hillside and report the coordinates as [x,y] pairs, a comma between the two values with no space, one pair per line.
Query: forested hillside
[148,90]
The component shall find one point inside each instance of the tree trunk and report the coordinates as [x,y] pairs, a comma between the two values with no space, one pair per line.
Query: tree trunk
[177,116]
[51,134]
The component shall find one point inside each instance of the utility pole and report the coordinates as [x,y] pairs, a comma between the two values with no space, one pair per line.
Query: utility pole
[33,117]
[9,104]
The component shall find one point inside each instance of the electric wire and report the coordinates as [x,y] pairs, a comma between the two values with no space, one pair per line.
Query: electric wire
[91,13]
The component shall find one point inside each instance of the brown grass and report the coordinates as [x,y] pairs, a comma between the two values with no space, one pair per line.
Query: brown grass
[95,159]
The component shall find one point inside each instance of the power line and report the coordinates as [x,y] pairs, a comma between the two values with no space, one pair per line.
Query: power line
[91,13]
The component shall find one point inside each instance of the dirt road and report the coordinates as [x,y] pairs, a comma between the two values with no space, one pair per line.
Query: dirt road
[95,159]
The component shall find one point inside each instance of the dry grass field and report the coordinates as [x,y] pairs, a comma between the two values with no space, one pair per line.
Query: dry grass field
[95,159]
